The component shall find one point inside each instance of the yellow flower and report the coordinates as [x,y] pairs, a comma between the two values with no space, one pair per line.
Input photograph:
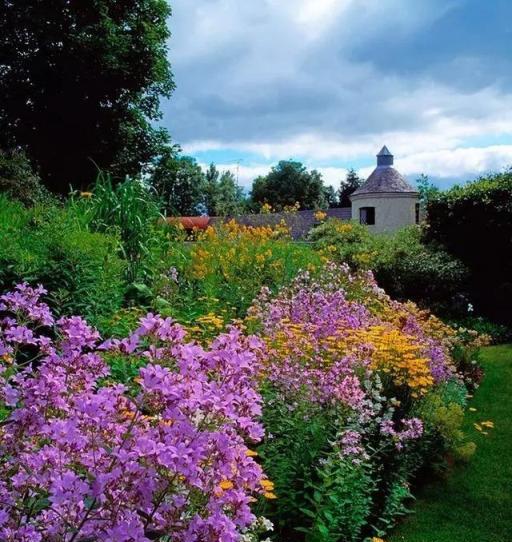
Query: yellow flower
[226,484]
[269,495]
[320,215]
[86,194]
[7,358]
[251,453]
[267,485]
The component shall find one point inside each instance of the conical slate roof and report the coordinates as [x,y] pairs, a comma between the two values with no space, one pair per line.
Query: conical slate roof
[385,178]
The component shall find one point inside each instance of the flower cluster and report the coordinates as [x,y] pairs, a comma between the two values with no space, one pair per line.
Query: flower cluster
[84,458]
[337,340]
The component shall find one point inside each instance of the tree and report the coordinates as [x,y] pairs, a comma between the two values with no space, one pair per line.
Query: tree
[330,196]
[230,196]
[211,188]
[427,189]
[80,84]
[288,183]
[222,194]
[180,183]
[349,185]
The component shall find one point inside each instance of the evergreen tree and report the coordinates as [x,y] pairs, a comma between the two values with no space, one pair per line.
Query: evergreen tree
[349,185]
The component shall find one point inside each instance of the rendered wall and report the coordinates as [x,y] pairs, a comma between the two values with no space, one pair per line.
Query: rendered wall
[392,211]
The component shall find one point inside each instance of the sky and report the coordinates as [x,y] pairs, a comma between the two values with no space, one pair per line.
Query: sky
[329,82]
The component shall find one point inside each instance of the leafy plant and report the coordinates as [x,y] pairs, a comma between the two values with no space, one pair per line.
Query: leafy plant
[130,210]
[47,245]
[405,266]
[474,222]
[341,501]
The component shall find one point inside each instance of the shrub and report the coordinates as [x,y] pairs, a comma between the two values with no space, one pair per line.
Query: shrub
[19,181]
[346,374]
[83,458]
[407,268]
[403,265]
[345,242]
[46,244]
[474,222]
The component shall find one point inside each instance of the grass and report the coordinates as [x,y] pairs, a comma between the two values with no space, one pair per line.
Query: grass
[475,503]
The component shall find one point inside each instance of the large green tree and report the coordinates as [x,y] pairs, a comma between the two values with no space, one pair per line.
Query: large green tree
[180,183]
[288,183]
[80,85]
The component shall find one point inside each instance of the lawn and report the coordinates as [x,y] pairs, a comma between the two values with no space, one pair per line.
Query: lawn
[475,503]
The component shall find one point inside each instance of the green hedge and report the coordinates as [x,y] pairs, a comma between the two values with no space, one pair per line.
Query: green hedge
[474,222]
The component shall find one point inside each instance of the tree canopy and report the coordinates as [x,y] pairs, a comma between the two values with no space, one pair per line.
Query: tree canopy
[347,186]
[81,84]
[180,183]
[288,183]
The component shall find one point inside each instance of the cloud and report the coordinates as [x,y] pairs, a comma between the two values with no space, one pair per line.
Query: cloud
[454,165]
[329,81]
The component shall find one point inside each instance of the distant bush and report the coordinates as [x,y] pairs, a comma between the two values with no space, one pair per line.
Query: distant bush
[407,268]
[18,180]
[46,245]
[474,222]
[347,242]
[497,333]
[404,266]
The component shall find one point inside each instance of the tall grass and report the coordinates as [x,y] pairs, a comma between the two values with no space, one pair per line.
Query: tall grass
[131,210]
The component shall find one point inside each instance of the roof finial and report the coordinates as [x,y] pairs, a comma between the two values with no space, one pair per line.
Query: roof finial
[384,158]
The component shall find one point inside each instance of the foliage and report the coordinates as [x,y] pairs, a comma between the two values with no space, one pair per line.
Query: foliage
[427,189]
[349,185]
[404,266]
[179,182]
[225,268]
[47,244]
[408,268]
[222,194]
[129,209]
[331,199]
[347,242]
[474,222]
[288,183]
[340,501]
[81,83]
[497,333]
[347,372]
[84,458]
[18,180]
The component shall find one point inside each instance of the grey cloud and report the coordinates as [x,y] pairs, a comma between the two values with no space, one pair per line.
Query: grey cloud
[244,73]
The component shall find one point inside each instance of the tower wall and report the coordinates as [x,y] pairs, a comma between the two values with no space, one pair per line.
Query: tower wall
[392,210]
